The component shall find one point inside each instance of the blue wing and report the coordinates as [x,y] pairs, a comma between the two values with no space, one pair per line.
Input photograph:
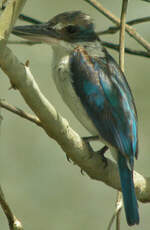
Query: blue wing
[107,98]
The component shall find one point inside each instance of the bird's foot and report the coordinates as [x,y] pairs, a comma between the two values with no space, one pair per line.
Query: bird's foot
[68,158]
[82,172]
[90,138]
[101,152]
[87,140]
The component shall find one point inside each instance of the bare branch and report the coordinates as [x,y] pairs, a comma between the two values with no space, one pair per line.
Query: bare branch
[138,21]
[7,20]
[121,63]
[20,112]
[26,42]
[111,222]
[117,212]
[9,16]
[14,223]
[114,29]
[25,17]
[146,0]
[131,31]
[122,34]
[127,50]
[119,206]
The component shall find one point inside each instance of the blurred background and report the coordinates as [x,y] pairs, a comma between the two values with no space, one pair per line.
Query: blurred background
[44,190]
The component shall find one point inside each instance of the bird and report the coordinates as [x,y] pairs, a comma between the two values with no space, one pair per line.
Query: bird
[95,89]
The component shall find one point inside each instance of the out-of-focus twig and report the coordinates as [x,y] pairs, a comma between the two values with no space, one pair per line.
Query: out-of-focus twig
[14,223]
[25,18]
[127,50]
[146,0]
[118,209]
[26,42]
[131,31]
[114,29]
[117,212]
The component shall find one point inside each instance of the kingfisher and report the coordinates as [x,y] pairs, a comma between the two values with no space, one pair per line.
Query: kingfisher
[95,89]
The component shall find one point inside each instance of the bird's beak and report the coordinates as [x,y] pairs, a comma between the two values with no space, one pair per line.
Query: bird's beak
[37,33]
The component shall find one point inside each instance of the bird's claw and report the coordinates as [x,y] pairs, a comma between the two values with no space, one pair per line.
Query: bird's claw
[101,152]
[82,172]
[87,140]
[68,158]
[90,138]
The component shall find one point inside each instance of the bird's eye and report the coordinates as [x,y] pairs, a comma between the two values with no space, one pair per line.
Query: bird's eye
[71,29]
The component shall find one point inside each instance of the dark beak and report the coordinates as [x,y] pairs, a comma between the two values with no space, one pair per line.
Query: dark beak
[38,33]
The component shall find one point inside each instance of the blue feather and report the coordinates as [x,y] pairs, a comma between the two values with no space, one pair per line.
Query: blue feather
[129,197]
[92,91]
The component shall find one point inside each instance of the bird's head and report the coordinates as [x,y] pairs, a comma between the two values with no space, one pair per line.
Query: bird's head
[69,27]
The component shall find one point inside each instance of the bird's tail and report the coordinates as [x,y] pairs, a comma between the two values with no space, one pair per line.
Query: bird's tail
[129,196]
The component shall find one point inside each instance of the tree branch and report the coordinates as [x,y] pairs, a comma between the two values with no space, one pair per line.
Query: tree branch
[121,64]
[122,34]
[127,50]
[7,20]
[20,113]
[114,29]
[14,223]
[131,31]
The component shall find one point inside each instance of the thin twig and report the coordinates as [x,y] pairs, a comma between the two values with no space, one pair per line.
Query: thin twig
[20,113]
[146,0]
[121,63]
[26,18]
[127,50]
[114,29]
[122,34]
[131,31]
[118,209]
[111,222]
[14,223]
[26,42]
[138,20]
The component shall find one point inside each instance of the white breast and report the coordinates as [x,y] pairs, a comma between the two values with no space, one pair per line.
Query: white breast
[61,76]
